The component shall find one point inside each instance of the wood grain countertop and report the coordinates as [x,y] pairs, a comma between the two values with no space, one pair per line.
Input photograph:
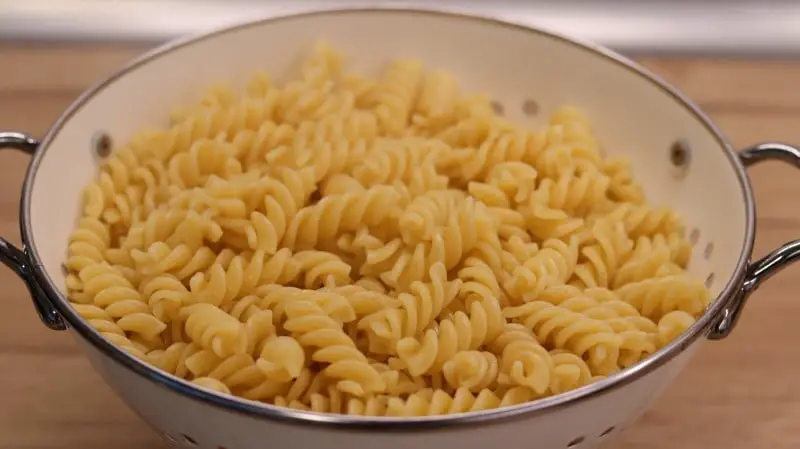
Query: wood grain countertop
[735,394]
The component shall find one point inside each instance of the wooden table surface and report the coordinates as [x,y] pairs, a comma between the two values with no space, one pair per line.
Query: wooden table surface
[735,394]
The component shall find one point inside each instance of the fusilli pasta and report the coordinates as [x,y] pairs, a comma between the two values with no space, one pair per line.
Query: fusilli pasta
[385,246]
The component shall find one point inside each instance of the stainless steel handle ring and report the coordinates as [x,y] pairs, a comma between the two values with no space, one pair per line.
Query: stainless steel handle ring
[769,265]
[17,259]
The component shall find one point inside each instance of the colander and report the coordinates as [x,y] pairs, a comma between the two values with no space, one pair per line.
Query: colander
[681,158]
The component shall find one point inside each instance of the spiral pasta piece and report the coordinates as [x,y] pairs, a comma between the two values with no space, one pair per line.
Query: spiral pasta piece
[680,249]
[602,259]
[469,225]
[312,96]
[212,384]
[508,184]
[576,194]
[353,126]
[395,94]
[173,358]
[277,199]
[114,177]
[153,177]
[435,108]
[190,228]
[545,222]
[322,66]
[102,322]
[672,325]
[366,301]
[417,310]
[475,118]
[478,284]
[523,362]
[204,158]
[320,267]
[638,336]
[256,233]
[499,147]
[513,254]
[126,207]
[479,281]
[308,384]
[215,330]
[654,298]
[511,224]
[331,400]
[263,145]
[259,327]
[339,213]
[565,329]
[372,406]
[245,307]
[390,161]
[553,264]
[473,370]
[360,86]
[301,101]
[241,275]
[238,373]
[87,244]
[109,290]
[622,188]
[398,382]
[277,298]
[181,234]
[332,157]
[282,359]
[438,402]
[651,257]
[570,372]
[165,295]
[461,332]
[214,120]
[642,220]
[571,131]
[427,213]
[395,264]
[313,328]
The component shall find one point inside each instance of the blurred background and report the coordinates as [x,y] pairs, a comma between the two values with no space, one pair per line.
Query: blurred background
[712,27]
[737,59]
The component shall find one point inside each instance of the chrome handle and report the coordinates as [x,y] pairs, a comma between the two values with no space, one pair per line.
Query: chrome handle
[17,259]
[769,265]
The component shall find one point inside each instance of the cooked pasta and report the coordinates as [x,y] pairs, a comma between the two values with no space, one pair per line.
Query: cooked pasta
[385,246]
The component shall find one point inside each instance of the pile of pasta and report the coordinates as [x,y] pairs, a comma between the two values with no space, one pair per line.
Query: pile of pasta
[383,246]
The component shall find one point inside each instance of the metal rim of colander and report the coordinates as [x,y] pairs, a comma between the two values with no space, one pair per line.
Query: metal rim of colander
[347,422]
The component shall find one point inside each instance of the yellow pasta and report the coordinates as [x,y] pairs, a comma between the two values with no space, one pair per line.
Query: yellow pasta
[377,246]
[525,362]
[334,349]
[214,330]
[282,359]
[173,358]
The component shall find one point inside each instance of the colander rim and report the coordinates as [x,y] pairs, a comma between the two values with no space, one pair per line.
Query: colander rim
[347,422]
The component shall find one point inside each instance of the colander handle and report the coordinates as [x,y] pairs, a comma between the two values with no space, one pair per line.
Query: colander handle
[769,265]
[17,259]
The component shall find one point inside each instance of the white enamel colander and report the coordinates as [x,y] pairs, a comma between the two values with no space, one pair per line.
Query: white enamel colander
[676,152]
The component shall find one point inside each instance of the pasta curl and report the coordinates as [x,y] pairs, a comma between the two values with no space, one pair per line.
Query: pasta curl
[438,402]
[339,213]
[565,329]
[314,328]
[418,308]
